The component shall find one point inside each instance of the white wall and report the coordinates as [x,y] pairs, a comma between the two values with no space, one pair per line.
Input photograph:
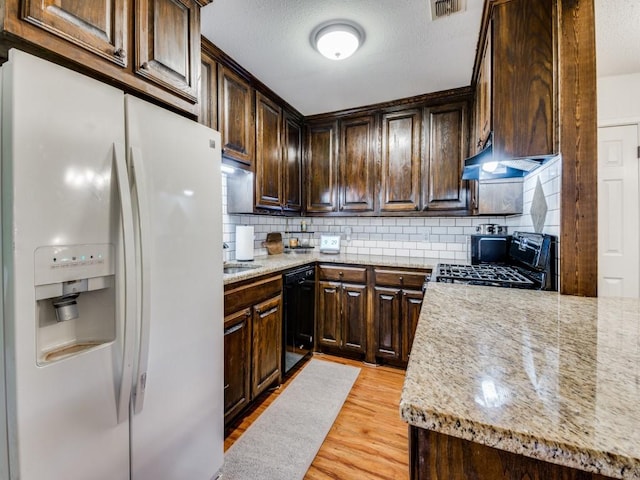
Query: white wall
[619,99]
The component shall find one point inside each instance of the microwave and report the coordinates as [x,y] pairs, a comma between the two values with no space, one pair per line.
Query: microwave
[489,248]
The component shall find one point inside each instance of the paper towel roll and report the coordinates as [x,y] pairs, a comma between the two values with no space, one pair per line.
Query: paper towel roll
[244,242]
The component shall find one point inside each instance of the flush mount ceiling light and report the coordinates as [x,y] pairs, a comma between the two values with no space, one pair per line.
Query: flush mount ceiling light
[337,40]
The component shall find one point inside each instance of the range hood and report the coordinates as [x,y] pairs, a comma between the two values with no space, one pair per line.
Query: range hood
[483,165]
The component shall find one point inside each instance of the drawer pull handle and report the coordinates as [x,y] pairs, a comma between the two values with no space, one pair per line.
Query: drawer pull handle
[233,329]
[267,312]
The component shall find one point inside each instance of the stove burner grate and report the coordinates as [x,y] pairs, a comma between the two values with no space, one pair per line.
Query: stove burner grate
[501,275]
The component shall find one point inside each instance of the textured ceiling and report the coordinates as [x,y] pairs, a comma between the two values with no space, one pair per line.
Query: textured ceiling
[404,52]
[617,37]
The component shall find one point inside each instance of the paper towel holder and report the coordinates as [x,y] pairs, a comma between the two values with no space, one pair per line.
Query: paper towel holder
[245,237]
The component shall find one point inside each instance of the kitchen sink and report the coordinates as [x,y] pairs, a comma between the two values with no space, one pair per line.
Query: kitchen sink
[237,268]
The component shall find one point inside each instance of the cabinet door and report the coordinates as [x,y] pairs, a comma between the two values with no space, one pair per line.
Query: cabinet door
[400,172]
[235,116]
[386,322]
[237,349]
[523,79]
[208,92]
[410,307]
[100,27]
[266,345]
[485,84]
[482,99]
[322,175]
[443,186]
[168,44]
[268,154]
[328,313]
[292,164]
[354,317]
[357,164]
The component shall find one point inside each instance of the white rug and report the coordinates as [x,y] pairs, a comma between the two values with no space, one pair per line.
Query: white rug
[283,441]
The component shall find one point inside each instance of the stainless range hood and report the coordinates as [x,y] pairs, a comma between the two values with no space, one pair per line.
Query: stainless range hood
[483,165]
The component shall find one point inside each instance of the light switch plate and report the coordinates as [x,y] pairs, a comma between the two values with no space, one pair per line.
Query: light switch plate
[329,243]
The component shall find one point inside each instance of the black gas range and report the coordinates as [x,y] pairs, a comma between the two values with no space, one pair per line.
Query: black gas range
[529,263]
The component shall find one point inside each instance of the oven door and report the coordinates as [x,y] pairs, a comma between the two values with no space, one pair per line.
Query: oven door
[489,249]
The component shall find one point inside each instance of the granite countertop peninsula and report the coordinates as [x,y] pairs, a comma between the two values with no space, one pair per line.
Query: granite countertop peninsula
[548,376]
[285,261]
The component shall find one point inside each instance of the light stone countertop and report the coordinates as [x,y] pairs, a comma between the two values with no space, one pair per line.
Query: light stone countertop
[548,376]
[285,261]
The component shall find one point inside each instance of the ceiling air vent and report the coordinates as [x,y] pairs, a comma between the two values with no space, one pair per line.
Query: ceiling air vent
[444,8]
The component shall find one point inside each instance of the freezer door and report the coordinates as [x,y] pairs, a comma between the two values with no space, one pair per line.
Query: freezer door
[177,427]
[60,135]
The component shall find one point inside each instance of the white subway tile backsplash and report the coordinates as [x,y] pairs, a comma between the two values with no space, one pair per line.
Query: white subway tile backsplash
[445,238]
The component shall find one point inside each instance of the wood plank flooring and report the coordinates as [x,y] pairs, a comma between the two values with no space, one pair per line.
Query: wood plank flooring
[368,440]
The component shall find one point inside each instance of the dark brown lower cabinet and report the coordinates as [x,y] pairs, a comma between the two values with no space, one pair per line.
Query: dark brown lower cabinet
[397,301]
[411,306]
[252,341]
[342,316]
[237,361]
[342,309]
[386,321]
[266,344]
[435,456]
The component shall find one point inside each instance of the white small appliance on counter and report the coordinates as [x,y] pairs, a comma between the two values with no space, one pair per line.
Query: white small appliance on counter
[244,243]
[330,244]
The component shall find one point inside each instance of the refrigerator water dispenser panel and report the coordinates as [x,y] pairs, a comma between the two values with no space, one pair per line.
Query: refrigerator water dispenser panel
[75,297]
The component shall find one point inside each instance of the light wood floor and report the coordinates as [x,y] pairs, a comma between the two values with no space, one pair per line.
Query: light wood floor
[368,440]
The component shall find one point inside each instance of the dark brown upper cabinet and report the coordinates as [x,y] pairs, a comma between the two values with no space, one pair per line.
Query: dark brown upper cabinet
[356,162]
[235,116]
[168,44]
[269,177]
[482,101]
[99,27]
[208,91]
[321,163]
[151,47]
[292,163]
[443,187]
[523,82]
[400,162]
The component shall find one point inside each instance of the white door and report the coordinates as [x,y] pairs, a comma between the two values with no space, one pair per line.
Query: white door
[618,212]
[177,426]
[59,136]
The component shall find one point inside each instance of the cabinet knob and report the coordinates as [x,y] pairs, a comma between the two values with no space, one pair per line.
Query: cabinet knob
[145,65]
[341,273]
[120,52]
[401,279]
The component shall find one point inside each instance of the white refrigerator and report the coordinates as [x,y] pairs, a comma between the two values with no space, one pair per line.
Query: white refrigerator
[112,320]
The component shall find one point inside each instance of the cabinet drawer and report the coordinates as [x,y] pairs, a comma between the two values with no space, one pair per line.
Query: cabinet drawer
[400,278]
[341,273]
[237,298]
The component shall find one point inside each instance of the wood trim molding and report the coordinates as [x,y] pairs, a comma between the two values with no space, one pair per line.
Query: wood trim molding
[578,145]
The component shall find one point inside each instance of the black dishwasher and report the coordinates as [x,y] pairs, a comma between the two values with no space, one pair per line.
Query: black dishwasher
[299,315]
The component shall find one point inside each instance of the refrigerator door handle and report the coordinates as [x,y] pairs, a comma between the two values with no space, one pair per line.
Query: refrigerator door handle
[124,395]
[144,244]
